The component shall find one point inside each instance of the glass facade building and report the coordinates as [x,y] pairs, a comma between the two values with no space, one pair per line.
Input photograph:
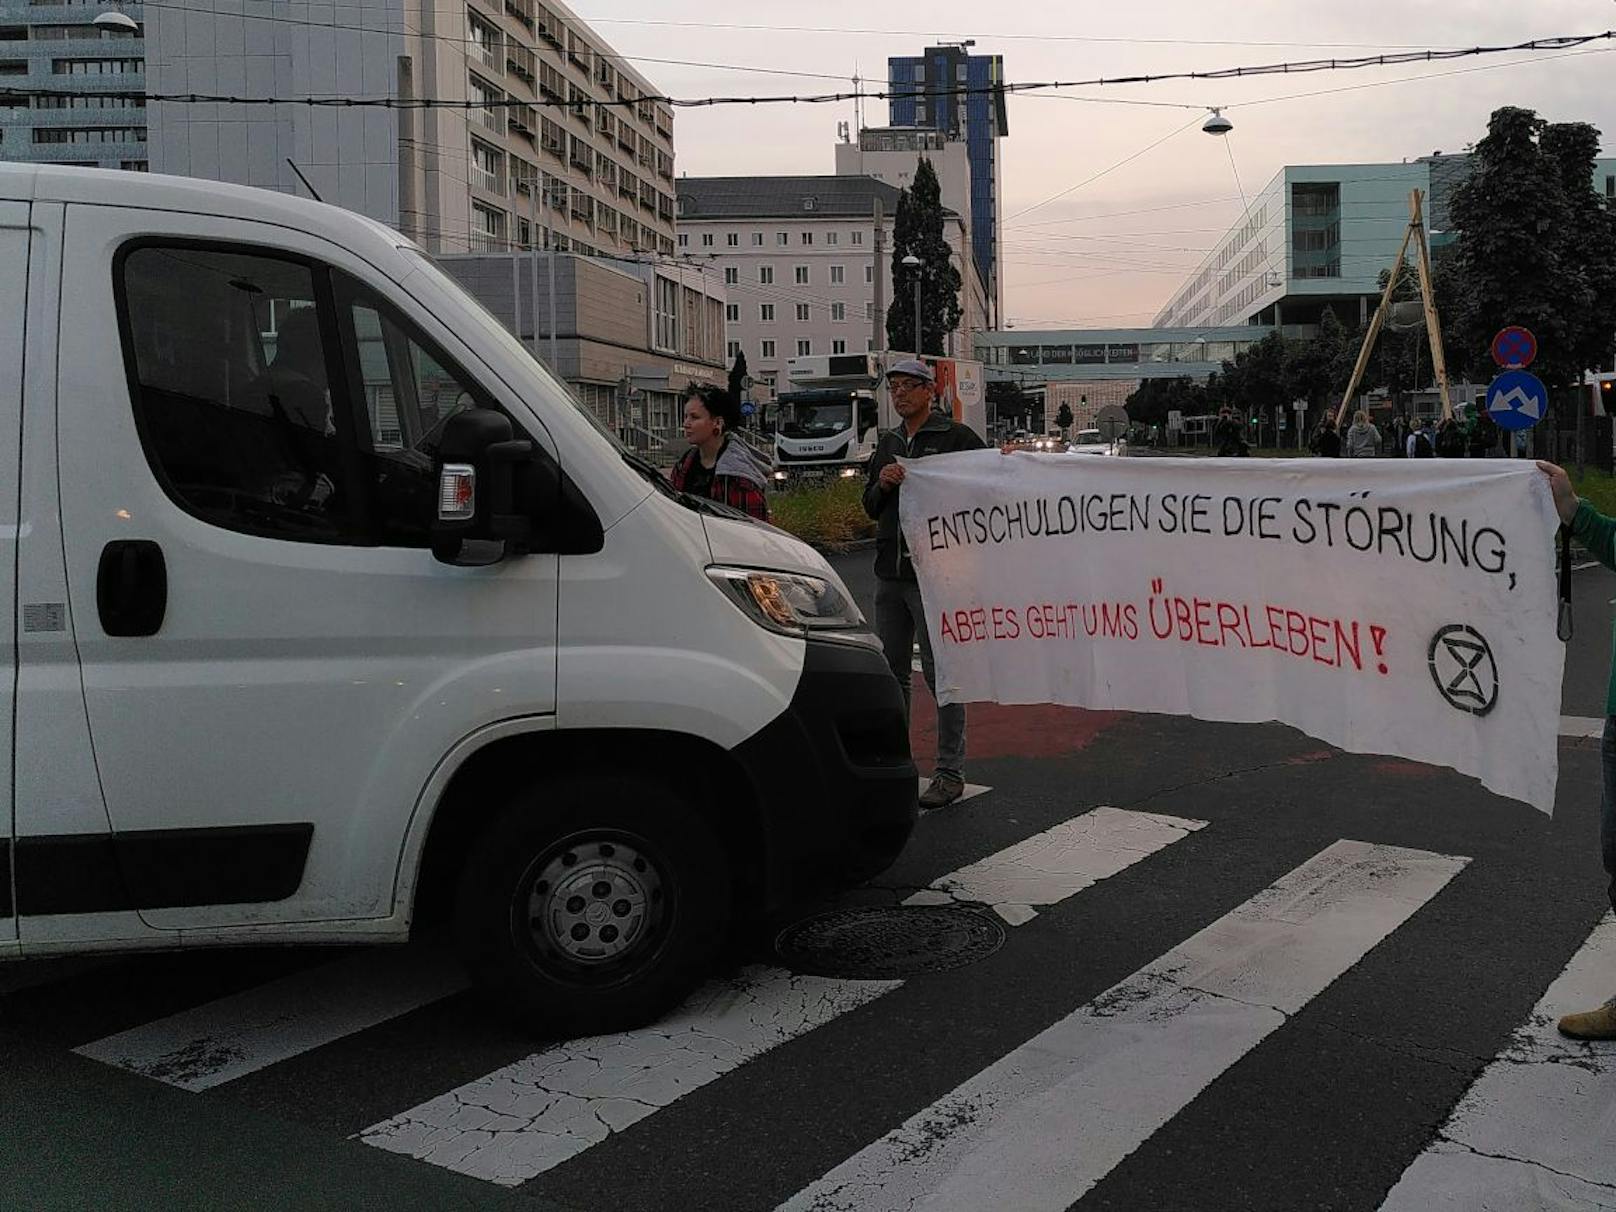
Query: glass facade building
[948,89]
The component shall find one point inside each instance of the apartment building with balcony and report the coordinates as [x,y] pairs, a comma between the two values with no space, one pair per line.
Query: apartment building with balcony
[544,137]
[55,47]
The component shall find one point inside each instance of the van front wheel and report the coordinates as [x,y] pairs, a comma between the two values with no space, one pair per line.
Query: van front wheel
[593,905]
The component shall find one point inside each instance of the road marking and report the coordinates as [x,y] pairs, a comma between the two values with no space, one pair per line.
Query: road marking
[520,1121]
[1588,564]
[526,1118]
[222,1040]
[1536,1123]
[1050,867]
[1040,1127]
[1582,726]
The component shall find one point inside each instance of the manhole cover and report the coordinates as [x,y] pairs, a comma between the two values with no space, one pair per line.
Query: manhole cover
[887,942]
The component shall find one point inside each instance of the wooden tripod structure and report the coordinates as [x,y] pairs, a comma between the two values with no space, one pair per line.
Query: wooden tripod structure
[1414,234]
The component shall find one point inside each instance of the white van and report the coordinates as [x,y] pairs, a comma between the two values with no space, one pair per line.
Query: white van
[332,615]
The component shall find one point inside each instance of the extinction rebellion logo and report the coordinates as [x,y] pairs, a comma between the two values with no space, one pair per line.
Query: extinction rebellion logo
[1463,668]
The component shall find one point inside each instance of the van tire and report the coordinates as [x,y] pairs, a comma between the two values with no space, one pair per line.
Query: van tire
[592,905]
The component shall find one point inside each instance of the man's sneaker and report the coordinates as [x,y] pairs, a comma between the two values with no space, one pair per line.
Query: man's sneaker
[944,789]
[1591,1024]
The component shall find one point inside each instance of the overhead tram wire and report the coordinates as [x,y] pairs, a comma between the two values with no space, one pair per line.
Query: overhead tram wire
[910,93]
[458,40]
[1104,171]
[901,33]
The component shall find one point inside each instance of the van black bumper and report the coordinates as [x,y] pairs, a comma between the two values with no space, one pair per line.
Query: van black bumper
[833,775]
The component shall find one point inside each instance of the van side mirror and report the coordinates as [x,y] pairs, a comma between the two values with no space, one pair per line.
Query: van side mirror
[479,466]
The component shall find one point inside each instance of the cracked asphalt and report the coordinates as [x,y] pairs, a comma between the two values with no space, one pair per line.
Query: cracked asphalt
[1326,1113]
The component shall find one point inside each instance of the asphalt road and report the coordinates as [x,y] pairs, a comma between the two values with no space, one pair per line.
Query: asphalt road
[1328,1072]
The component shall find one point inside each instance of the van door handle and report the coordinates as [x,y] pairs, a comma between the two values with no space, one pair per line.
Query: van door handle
[131,587]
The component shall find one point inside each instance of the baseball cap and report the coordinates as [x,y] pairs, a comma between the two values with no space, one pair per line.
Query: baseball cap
[913,367]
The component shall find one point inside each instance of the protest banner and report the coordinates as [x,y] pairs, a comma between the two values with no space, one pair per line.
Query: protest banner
[1384,607]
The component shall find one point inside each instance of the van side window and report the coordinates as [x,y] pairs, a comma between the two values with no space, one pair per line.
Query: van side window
[408,396]
[231,370]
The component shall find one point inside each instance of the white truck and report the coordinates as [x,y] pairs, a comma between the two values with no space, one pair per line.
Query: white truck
[329,615]
[835,405]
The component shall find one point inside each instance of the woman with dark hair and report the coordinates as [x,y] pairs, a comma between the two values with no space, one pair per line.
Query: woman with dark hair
[717,466]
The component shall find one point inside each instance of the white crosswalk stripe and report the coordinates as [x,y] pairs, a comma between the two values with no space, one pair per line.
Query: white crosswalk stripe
[1050,867]
[1037,1129]
[237,1035]
[1534,1130]
[520,1121]
[1582,726]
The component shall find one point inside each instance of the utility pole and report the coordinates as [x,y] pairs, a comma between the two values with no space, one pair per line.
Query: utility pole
[533,188]
[878,325]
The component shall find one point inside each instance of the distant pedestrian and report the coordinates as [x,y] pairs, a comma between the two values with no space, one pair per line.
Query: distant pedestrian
[1227,434]
[718,466]
[1326,441]
[900,615]
[1483,435]
[1400,432]
[1419,444]
[1363,439]
[1450,442]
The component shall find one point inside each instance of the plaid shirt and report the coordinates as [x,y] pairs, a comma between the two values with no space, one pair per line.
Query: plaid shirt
[736,491]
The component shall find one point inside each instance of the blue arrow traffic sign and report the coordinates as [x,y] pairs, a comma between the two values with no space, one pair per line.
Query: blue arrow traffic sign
[1517,400]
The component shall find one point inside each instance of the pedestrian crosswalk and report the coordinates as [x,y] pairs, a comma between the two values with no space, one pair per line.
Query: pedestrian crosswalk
[1050,1112]
[1038,1129]
[1535,1128]
[515,1124]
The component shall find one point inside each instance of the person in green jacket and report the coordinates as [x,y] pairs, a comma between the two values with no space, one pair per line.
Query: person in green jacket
[1598,534]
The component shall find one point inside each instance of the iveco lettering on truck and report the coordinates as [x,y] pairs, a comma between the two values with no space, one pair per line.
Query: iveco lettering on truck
[333,616]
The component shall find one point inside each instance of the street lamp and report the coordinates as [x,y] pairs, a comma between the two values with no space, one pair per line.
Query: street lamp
[912,264]
[122,22]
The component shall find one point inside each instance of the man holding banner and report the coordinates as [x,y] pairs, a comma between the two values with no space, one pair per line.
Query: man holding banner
[900,616]
[1598,534]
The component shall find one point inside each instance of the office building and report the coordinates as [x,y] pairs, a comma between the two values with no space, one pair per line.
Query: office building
[1318,236]
[547,138]
[797,258]
[922,87]
[628,339]
[58,48]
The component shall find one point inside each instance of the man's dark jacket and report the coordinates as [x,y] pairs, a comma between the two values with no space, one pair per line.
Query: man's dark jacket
[939,435]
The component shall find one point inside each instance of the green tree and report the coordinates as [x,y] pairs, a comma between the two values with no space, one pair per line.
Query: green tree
[1536,245]
[737,378]
[1155,398]
[1063,418]
[918,231]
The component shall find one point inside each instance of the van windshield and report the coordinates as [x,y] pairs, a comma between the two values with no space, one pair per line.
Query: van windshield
[498,332]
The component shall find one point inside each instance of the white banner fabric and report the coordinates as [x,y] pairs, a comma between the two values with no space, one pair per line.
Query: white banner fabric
[1383,606]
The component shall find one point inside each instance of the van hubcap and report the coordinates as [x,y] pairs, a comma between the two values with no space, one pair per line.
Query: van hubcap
[594,901]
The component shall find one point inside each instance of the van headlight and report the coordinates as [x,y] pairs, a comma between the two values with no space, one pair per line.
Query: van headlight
[794,604]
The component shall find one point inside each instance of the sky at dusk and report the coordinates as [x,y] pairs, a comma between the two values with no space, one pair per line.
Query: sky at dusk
[1110,252]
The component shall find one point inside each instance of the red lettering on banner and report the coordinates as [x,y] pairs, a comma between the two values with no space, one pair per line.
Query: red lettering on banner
[1335,643]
